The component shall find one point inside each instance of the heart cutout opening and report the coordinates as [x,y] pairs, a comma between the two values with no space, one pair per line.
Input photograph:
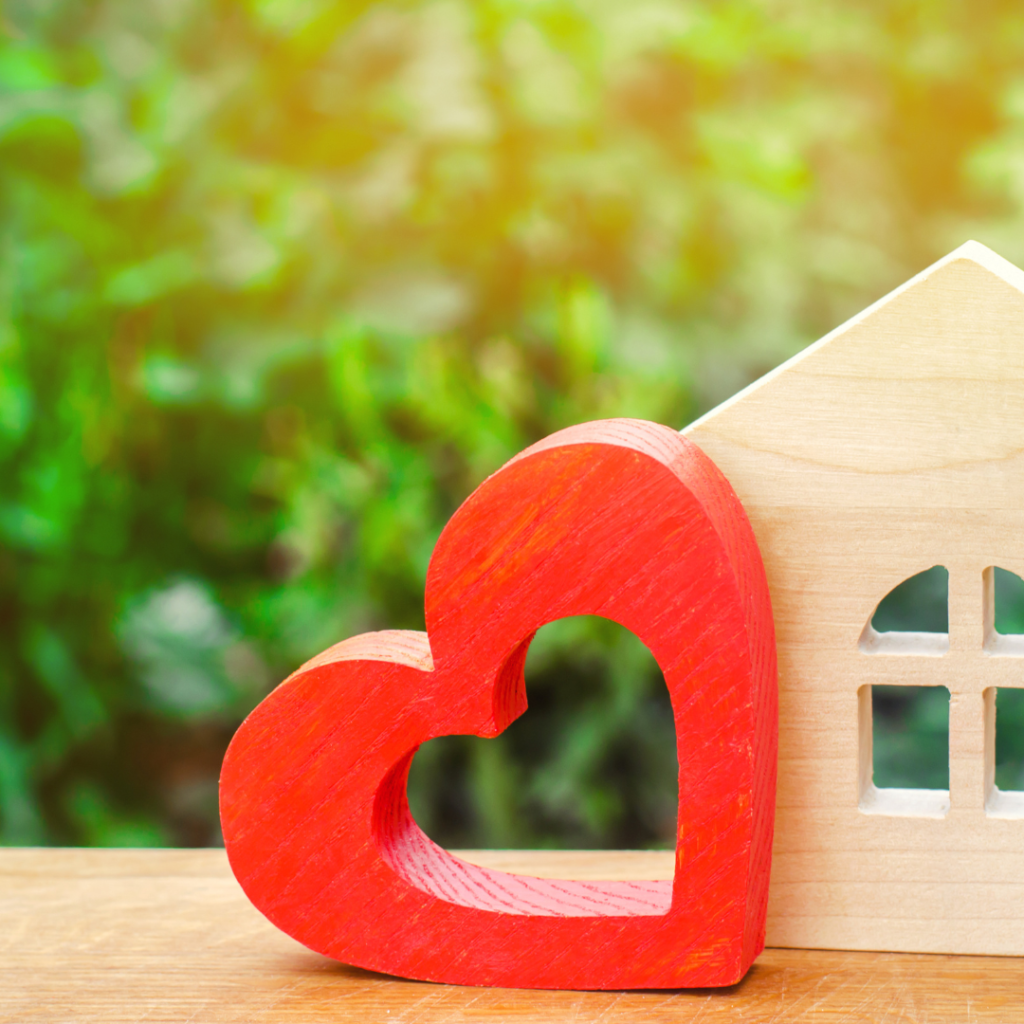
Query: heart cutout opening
[590,765]
[613,671]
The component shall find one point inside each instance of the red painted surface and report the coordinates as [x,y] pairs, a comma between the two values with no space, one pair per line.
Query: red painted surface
[623,519]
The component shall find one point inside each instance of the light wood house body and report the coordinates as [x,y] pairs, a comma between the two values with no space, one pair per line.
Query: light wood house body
[894,444]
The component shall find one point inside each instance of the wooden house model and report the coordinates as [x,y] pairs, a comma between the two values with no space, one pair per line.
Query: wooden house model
[894,444]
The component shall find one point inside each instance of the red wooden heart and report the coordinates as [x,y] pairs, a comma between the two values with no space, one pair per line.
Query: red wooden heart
[620,518]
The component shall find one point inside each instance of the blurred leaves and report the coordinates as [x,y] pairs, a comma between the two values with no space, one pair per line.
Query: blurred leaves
[179,640]
[282,280]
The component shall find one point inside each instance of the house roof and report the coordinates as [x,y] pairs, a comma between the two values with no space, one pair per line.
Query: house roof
[929,377]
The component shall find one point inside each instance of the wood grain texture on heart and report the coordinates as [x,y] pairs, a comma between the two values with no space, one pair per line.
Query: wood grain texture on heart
[623,519]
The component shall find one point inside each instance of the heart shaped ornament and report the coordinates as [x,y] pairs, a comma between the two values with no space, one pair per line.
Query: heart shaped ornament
[619,518]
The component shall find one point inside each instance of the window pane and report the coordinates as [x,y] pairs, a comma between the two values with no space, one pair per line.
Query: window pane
[919,604]
[1010,739]
[910,726]
[1009,598]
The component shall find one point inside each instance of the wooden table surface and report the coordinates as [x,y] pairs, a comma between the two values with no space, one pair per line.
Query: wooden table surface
[167,935]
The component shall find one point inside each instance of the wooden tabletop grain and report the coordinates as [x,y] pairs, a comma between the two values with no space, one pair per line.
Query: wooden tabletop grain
[167,935]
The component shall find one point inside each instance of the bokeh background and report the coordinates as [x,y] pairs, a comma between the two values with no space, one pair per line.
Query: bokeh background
[282,280]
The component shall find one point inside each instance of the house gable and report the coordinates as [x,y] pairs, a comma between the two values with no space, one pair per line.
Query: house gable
[928,377]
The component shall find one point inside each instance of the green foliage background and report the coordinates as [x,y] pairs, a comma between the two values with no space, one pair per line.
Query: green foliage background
[282,280]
